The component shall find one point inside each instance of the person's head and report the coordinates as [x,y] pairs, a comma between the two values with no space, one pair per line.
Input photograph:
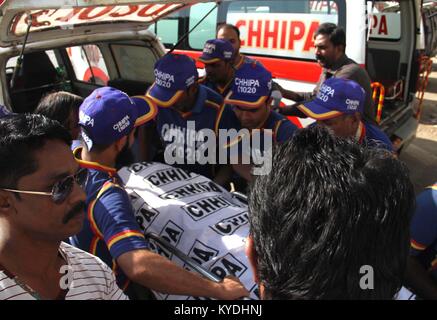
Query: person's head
[175,82]
[232,34]
[250,95]
[35,156]
[338,105]
[327,209]
[108,118]
[63,107]
[218,57]
[329,43]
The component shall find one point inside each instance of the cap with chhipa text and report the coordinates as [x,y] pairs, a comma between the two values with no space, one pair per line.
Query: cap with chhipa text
[252,86]
[336,96]
[174,73]
[109,114]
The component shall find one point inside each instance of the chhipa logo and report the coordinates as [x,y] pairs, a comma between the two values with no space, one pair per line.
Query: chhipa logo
[227,54]
[163,79]
[247,85]
[190,81]
[209,48]
[352,104]
[325,92]
[85,119]
[122,124]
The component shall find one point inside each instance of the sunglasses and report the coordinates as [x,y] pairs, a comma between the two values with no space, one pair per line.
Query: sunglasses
[61,189]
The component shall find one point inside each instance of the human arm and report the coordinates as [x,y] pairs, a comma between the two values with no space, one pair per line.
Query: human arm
[160,274]
[419,280]
[125,241]
[423,231]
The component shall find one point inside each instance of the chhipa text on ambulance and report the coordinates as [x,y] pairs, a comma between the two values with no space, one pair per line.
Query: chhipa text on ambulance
[195,215]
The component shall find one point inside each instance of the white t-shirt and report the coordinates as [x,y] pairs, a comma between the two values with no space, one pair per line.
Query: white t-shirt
[87,278]
[197,216]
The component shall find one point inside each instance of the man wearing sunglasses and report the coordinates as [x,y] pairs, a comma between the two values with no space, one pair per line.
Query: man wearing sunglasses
[108,118]
[251,101]
[41,204]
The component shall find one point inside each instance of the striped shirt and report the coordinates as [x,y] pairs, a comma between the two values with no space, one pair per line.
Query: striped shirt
[90,279]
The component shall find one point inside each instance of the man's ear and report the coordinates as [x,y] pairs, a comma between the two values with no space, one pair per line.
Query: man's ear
[6,205]
[269,103]
[252,257]
[358,116]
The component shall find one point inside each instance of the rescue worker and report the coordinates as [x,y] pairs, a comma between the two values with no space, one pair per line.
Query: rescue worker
[339,105]
[108,118]
[218,56]
[251,101]
[330,48]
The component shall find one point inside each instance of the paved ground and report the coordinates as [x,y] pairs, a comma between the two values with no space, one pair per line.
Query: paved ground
[421,154]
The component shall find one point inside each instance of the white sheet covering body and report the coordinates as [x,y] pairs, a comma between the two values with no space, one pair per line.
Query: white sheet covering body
[195,215]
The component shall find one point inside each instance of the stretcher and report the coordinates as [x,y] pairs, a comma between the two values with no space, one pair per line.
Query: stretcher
[192,221]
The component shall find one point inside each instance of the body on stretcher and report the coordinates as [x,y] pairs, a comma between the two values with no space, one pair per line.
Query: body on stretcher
[192,221]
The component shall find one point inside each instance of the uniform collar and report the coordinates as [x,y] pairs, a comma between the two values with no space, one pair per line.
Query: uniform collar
[223,89]
[200,100]
[92,165]
[238,64]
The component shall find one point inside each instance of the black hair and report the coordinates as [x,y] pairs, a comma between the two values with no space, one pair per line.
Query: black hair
[328,207]
[336,34]
[20,136]
[228,26]
[59,106]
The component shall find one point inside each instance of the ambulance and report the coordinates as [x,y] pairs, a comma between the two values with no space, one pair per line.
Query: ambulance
[386,38]
[79,45]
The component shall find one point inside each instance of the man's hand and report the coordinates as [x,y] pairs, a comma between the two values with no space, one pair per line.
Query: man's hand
[287,94]
[160,274]
[232,289]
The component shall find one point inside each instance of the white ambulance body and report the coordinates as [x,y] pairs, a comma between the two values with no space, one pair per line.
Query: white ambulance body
[382,36]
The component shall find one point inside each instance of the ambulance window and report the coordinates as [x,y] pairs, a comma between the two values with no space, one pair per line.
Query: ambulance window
[384,20]
[204,31]
[167,30]
[88,64]
[134,62]
[281,28]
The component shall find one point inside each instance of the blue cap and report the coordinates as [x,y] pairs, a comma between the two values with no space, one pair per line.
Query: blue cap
[4,111]
[252,86]
[336,96]
[109,114]
[216,50]
[174,73]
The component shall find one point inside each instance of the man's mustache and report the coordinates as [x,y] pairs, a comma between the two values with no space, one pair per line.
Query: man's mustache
[77,209]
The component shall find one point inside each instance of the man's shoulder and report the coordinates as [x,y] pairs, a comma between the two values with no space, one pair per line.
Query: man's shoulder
[428,198]
[83,262]
[91,278]
[353,71]
[377,137]
[78,256]
[212,96]
[284,128]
